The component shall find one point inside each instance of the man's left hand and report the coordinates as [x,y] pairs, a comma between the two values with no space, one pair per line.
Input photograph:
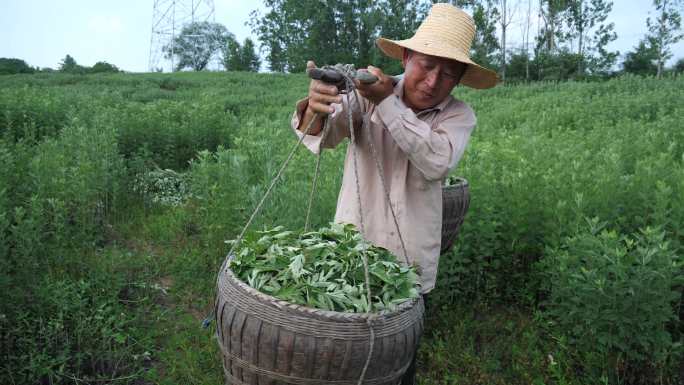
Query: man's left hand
[378,91]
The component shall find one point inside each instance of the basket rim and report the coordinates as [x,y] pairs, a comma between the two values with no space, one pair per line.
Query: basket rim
[312,311]
[458,183]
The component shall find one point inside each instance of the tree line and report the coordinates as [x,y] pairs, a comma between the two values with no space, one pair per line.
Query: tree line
[68,65]
[559,39]
[570,41]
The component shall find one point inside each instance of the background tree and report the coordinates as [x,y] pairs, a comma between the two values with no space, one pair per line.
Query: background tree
[400,19]
[641,61]
[508,9]
[550,34]
[240,58]
[250,59]
[14,66]
[664,31]
[69,65]
[583,16]
[525,27]
[196,45]
[103,66]
[679,66]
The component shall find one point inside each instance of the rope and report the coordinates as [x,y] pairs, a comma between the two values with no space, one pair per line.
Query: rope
[350,121]
[318,167]
[229,257]
[382,176]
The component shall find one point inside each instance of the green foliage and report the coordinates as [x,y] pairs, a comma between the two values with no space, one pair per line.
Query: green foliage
[583,17]
[165,187]
[612,298]
[641,61]
[543,157]
[69,65]
[294,31]
[196,44]
[679,66]
[103,66]
[10,66]
[664,31]
[323,269]
[240,58]
[65,329]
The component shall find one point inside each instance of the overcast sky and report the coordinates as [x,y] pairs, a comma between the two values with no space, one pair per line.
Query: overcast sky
[119,32]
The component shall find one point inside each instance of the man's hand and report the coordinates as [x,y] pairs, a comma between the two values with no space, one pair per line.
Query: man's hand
[321,96]
[378,91]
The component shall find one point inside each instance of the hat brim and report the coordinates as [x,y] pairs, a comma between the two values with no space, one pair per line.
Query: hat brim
[475,75]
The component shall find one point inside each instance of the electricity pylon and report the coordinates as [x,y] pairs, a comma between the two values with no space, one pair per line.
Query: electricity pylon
[168,19]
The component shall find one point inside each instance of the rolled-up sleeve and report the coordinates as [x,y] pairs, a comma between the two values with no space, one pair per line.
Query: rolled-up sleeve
[339,123]
[433,151]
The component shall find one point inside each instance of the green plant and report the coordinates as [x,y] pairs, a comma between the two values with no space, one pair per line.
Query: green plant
[323,269]
[613,298]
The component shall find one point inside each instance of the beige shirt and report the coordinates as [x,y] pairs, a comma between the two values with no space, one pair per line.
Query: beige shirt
[417,151]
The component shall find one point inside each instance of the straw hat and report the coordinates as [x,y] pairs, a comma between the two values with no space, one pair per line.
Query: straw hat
[446,32]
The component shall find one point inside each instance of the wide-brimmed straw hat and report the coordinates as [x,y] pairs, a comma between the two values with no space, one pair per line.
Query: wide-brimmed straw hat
[446,32]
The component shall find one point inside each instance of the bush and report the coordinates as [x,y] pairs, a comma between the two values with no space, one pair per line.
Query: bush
[103,66]
[612,298]
[14,66]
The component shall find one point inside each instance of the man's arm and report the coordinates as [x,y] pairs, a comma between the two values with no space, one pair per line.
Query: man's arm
[433,152]
[324,103]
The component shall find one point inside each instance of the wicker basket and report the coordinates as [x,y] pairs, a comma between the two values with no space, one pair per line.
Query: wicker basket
[268,341]
[455,202]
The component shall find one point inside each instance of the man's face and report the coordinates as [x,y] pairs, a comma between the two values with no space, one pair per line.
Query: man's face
[429,79]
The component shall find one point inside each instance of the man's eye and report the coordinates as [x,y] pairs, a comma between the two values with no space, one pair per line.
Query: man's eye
[427,65]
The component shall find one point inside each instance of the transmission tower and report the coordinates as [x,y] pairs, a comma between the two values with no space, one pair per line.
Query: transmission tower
[168,19]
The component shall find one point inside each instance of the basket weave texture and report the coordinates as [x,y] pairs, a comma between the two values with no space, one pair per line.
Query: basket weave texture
[265,340]
[455,203]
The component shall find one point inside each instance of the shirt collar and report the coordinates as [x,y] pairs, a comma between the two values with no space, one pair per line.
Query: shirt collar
[399,91]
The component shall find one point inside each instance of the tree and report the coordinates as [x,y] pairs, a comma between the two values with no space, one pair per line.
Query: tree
[583,16]
[103,66]
[525,27]
[69,65]
[551,12]
[679,66]
[250,59]
[400,19]
[196,44]
[664,31]
[240,58]
[334,31]
[507,15]
[10,66]
[641,61]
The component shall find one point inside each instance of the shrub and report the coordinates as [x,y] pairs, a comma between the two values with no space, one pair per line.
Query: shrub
[612,297]
[14,66]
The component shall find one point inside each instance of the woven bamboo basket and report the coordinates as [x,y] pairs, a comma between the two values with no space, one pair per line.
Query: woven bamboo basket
[268,341]
[455,202]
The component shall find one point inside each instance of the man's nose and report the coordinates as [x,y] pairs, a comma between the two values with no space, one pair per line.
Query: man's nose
[432,78]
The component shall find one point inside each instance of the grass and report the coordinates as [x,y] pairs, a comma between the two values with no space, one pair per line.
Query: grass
[115,292]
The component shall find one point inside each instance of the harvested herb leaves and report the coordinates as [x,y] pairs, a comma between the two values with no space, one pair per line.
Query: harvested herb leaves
[323,269]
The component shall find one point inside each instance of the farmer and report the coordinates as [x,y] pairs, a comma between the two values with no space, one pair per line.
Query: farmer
[418,130]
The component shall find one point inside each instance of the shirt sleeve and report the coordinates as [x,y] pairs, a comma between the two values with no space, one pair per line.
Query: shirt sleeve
[432,150]
[338,125]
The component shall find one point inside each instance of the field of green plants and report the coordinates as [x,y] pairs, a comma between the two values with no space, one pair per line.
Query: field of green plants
[118,192]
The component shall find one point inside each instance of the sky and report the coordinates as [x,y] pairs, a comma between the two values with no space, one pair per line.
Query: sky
[119,32]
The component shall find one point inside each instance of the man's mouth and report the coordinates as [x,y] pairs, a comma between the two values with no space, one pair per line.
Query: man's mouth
[426,94]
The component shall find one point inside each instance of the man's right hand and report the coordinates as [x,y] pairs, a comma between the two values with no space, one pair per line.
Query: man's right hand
[321,96]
